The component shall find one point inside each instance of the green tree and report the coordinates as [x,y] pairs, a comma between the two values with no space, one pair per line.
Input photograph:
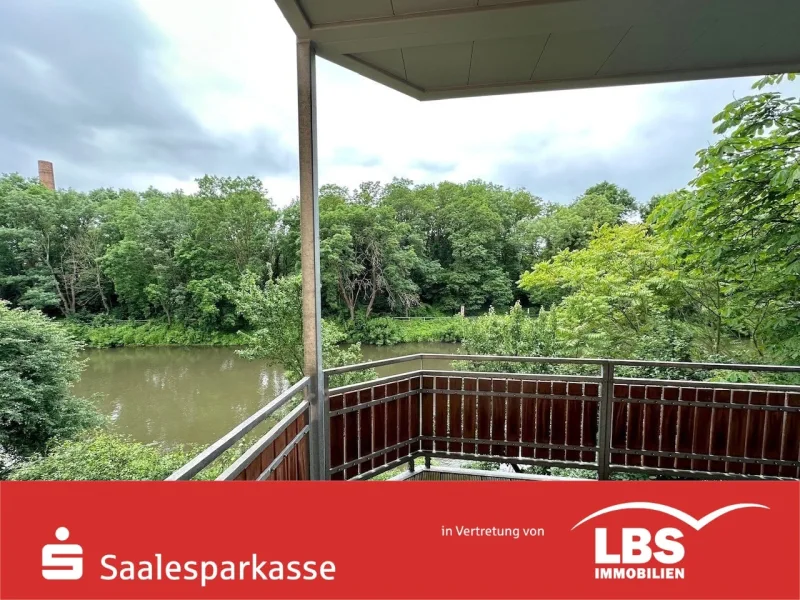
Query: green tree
[610,296]
[565,227]
[275,314]
[743,219]
[100,456]
[38,365]
[615,194]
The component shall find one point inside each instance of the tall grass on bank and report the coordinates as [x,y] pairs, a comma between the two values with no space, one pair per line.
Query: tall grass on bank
[385,331]
[148,334]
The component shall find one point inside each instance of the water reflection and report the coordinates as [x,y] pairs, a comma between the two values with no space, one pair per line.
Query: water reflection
[194,395]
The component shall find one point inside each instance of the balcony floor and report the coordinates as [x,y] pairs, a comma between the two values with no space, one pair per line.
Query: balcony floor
[455,474]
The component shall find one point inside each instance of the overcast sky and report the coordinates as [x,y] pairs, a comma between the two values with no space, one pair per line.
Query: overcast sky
[133,93]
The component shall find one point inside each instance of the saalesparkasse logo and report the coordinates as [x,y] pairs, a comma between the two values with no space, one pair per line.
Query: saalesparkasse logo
[62,562]
[639,546]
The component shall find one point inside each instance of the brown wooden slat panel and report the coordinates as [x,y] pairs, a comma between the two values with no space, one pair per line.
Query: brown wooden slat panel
[701,434]
[470,415]
[267,456]
[737,429]
[651,425]
[440,425]
[574,426]
[351,434]
[634,425]
[558,420]
[590,423]
[543,419]
[619,426]
[404,415]
[416,384]
[773,432]
[456,413]
[791,438]
[365,433]
[337,435]
[279,445]
[303,468]
[685,427]
[391,422]
[427,413]
[286,462]
[720,426]
[669,427]
[253,470]
[379,426]
[498,417]
[514,417]
[755,432]
[484,414]
[528,417]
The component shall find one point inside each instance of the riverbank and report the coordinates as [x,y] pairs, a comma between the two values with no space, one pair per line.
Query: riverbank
[148,334]
[378,331]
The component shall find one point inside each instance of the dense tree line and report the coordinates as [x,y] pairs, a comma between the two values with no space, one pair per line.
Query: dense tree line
[709,271]
[394,249]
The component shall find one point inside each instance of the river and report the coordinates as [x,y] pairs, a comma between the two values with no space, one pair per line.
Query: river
[178,395]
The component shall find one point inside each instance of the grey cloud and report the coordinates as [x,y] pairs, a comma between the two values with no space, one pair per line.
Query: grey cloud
[433,167]
[349,156]
[660,158]
[80,85]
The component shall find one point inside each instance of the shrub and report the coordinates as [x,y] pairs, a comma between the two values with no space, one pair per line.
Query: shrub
[101,456]
[385,331]
[148,334]
[38,364]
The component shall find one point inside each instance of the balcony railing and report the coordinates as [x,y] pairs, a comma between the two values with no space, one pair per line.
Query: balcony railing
[591,418]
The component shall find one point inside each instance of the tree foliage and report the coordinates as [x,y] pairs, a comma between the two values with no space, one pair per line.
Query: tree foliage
[38,365]
[742,220]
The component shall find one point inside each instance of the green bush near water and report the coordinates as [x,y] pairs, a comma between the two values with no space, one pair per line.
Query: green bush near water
[385,331]
[100,456]
[148,334]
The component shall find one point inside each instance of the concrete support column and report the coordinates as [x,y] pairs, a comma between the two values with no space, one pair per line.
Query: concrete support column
[309,256]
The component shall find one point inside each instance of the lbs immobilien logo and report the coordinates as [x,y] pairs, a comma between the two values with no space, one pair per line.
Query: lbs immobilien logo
[645,553]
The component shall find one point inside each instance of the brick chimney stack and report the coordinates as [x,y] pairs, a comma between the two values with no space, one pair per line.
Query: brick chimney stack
[46,177]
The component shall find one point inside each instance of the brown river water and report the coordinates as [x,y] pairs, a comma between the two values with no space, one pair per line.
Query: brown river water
[179,395]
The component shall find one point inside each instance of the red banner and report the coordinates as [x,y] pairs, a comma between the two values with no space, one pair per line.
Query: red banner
[400,540]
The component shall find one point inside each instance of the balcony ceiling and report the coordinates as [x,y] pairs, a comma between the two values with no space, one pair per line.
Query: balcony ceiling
[433,49]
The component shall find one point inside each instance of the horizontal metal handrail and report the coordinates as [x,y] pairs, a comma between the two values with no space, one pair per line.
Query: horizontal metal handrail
[565,360]
[725,385]
[526,376]
[293,443]
[355,387]
[552,360]
[707,366]
[258,447]
[372,364]
[215,450]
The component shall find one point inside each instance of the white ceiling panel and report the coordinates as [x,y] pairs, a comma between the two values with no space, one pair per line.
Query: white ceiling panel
[438,66]
[505,60]
[577,53]
[407,7]
[432,49]
[651,48]
[390,61]
[338,11]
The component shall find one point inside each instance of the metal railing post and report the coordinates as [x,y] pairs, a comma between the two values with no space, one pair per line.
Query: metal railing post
[324,409]
[605,425]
